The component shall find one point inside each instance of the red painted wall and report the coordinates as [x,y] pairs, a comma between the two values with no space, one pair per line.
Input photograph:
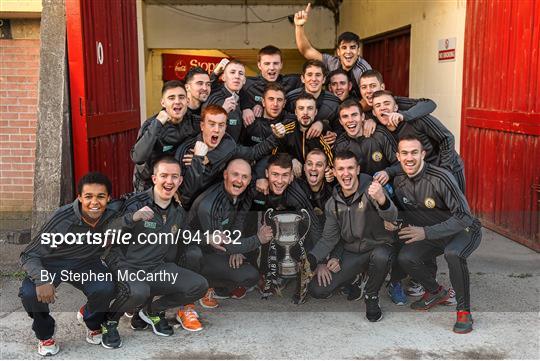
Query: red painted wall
[500,139]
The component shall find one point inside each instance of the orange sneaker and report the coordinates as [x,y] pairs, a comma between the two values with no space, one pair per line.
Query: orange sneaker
[208,301]
[188,318]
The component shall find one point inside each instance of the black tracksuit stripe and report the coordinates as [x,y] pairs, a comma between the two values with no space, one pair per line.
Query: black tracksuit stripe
[433,126]
[451,186]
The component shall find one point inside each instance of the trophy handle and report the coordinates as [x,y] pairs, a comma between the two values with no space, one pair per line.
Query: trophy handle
[267,219]
[305,215]
[268,215]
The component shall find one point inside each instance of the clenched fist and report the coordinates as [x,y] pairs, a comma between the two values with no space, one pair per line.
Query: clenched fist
[144,214]
[201,149]
[375,191]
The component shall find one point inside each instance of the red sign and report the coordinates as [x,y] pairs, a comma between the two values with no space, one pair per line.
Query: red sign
[449,54]
[176,66]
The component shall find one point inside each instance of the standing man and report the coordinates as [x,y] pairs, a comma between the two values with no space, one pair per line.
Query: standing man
[162,133]
[198,87]
[355,218]
[270,64]
[317,182]
[348,51]
[439,222]
[44,263]
[273,103]
[296,143]
[437,140]
[313,77]
[228,97]
[377,154]
[408,109]
[340,85]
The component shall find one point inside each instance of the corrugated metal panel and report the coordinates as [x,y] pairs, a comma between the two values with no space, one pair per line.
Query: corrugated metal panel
[103,60]
[500,140]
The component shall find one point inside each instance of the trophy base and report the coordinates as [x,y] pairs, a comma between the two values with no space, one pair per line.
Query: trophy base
[288,271]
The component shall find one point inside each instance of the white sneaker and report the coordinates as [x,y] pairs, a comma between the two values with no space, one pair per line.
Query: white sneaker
[48,347]
[451,301]
[93,337]
[415,289]
[80,316]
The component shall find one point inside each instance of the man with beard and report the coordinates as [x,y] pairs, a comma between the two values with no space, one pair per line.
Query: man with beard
[44,265]
[162,133]
[439,222]
[270,64]
[206,155]
[221,211]
[228,97]
[377,154]
[347,52]
[317,182]
[340,85]
[296,143]
[273,103]
[198,87]
[355,218]
[145,269]
[284,195]
[313,76]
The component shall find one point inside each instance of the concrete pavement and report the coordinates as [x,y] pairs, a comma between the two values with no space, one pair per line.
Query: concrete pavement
[505,298]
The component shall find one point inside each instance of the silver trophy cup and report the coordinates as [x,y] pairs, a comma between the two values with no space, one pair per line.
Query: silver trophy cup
[287,235]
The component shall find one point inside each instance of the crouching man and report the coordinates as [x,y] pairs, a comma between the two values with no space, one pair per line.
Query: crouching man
[142,267]
[440,222]
[48,264]
[354,235]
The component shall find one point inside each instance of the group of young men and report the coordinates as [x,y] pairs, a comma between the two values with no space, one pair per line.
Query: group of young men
[377,174]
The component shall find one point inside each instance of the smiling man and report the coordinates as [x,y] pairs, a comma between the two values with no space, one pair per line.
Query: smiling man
[355,218]
[437,140]
[377,154]
[162,133]
[340,85]
[284,195]
[270,63]
[347,52]
[313,77]
[44,263]
[198,88]
[439,222]
[228,97]
[145,269]
[296,142]
[221,211]
[273,103]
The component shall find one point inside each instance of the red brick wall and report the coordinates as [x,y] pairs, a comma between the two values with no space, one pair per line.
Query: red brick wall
[19,73]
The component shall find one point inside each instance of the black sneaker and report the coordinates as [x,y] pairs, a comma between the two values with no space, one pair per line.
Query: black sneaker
[110,338]
[158,322]
[373,310]
[137,323]
[429,299]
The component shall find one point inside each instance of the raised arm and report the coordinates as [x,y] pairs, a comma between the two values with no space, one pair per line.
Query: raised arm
[302,42]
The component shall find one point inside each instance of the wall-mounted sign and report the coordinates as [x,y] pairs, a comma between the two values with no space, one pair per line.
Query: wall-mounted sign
[176,66]
[447,49]
[5,29]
